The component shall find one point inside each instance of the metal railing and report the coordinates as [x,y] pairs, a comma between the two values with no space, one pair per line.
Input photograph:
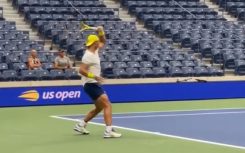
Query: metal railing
[1,12]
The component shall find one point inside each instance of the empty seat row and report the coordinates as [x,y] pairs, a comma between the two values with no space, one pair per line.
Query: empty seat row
[14,35]
[161,72]
[33,18]
[147,57]
[234,7]
[28,75]
[150,64]
[132,4]
[149,18]
[50,28]
[240,67]
[57,3]
[20,47]
[67,10]
[139,12]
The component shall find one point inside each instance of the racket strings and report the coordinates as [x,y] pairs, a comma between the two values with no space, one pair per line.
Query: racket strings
[83,25]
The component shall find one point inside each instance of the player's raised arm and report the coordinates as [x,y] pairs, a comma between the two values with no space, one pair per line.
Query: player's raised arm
[101,34]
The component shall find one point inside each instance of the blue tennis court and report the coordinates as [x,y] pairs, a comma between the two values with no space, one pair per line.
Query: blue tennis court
[220,127]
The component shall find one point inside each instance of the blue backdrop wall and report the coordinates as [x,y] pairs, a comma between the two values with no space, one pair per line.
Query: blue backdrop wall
[33,96]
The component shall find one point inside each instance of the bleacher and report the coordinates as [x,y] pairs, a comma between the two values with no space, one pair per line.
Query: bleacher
[14,50]
[191,24]
[234,7]
[129,53]
[149,11]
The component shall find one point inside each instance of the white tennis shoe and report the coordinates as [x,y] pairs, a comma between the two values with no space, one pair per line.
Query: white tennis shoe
[81,129]
[112,134]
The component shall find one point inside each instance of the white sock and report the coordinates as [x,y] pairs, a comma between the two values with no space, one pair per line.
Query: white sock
[82,123]
[108,128]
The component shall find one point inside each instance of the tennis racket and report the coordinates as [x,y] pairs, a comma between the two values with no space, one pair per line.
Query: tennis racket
[86,27]
[82,24]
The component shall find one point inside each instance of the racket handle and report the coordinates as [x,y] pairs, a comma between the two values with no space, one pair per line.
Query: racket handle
[93,28]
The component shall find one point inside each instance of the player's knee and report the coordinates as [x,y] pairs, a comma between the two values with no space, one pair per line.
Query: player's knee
[105,101]
[107,104]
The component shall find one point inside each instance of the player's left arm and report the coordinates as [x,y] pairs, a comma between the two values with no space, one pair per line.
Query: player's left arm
[101,34]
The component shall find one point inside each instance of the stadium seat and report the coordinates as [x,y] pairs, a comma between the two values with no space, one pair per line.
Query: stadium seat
[166,57]
[57,75]
[202,71]
[163,64]
[215,71]
[134,65]
[43,74]
[240,67]
[159,72]
[175,63]
[188,63]
[120,73]
[188,71]
[112,58]
[178,57]
[120,65]
[229,60]
[12,59]
[133,72]
[106,66]
[147,72]
[3,66]
[124,58]
[28,75]
[10,75]
[19,66]
[176,72]
[153,57]
[146,64]
[47,66]
[72,74]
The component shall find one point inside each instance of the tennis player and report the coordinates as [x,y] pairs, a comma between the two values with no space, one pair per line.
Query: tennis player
[90,70]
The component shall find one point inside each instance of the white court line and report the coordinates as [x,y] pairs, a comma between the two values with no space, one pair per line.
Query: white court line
[167,111]
[175,115]
[159,134]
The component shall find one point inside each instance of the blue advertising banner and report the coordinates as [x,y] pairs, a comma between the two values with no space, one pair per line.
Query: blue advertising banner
[176,91]
[31,96]
[63,95]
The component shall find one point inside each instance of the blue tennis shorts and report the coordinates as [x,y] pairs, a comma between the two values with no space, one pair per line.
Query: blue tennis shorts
[94,90]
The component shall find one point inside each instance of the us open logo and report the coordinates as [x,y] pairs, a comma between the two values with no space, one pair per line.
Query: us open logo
[61,95]
[33,95]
